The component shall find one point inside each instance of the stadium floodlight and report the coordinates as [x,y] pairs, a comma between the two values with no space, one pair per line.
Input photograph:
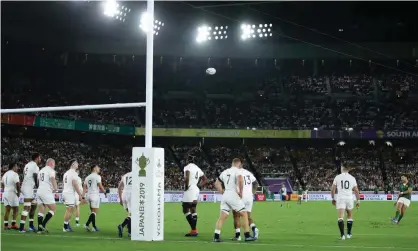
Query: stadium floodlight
[205,33]
[249,31]
[115,10]
[146,24]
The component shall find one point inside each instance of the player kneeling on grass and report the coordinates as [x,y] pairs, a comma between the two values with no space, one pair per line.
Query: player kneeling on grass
[250,187]
[231,184]
[193,175]
[125,192]
[10,185]
[404,199]
[71,188]
[92,184]
[345,184]
[46,199]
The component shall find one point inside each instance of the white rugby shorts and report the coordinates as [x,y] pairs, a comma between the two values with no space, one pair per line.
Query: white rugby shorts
[93,200]
[248,204]
[346,203]
[69,199]
[46,198]
[231,201]
[405,201]
[27,192]
[191,194]
[126,200]
[10,199]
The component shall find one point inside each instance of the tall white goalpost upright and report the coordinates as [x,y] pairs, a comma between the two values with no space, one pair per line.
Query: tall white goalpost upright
[147,205]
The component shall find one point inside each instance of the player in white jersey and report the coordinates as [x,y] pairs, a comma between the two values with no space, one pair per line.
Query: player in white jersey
[250,186]
[30,181]
[10,184]
[70,189]
[45,196]
[283,194]
[92,188]
[77,199]
[125,191]
[193,179]
[345,184]
[231,185]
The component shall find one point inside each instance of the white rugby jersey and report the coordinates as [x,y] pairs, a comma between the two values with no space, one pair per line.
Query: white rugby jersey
[230,178]
[68,178]
[345,184]
[195,174]
[44,178]
[92,181]
[28,172]
[248,184]
[127,182]
[283,191]
[9,179]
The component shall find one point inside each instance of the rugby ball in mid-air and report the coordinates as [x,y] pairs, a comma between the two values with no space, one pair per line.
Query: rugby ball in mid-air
[210,71]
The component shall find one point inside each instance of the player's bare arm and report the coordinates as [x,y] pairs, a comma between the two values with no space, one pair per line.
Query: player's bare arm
[102,189]
[84,188]
[409,191]
[76,188]
[218,186]
[120,189]
[333,189]
[54,184]
[186,180]
[357,193]
[240,185]
[35,178]
[17,188]
[255,186]
[203,181]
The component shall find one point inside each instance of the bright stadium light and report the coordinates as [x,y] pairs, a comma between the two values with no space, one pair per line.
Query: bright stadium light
[115,10]
[205,33]
[252,31]
[146,24]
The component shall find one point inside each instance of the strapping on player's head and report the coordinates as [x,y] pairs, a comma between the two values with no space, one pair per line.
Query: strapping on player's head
[190,158]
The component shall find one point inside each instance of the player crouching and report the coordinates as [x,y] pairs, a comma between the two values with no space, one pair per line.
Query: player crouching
[231,184]
[345,184]
[404,199]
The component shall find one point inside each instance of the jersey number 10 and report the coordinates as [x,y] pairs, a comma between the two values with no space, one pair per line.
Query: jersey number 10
[345,184]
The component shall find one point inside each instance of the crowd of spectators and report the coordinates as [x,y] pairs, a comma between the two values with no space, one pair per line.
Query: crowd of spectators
[316,165]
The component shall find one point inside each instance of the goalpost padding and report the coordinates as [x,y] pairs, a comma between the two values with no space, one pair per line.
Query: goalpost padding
[147,198]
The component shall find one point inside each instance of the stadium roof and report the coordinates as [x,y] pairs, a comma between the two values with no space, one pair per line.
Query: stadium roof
[351,21]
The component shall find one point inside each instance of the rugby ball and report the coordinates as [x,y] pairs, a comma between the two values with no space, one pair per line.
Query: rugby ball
[210,71]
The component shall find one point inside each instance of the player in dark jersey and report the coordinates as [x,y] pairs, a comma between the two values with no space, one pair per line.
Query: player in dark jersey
[404,199]
[300,194]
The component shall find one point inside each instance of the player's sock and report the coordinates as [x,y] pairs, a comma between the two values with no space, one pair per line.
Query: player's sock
[341,226]
[189,219]
[31,223]
[89,219]
[237,233]
[6,224]
[349,226]
[400,218]
[129,225]
[217,234]
[93,219]
[48,216]
[126,221]
[194,216]
[397,215]
[13,223]
[77,220]
[253,227]
[22,225]
[247,235]
[65,224]
[40,219]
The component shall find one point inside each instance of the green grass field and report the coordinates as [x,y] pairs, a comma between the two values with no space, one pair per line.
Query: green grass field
[311,226]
